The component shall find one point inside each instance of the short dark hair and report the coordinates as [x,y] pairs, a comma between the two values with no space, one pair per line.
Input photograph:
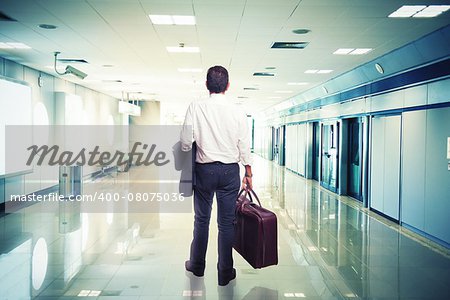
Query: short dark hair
[217,79]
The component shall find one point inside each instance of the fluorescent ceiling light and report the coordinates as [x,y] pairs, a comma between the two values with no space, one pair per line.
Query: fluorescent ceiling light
[14,46]
[397,14]
[359,51]
[432,11]
[441,8]
[343,51]
[352,51]
[283,92]
[318,71]
[427,14]
[5,46]
[190,70]
[298,83]
[406,11]
[19,45]
[183,49]
[161,19]
[411,8]
[183,20]
[172,20]
[419,11]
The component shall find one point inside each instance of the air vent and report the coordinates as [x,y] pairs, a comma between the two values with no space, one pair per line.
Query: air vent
[263,74]
[4,17]
[72,61]
[289,45]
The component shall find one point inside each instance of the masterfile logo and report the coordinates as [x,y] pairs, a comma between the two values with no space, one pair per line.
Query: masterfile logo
[28,147]
[101,157]
[95,157]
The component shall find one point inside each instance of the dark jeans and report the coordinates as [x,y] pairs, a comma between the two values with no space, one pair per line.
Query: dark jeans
[222,179]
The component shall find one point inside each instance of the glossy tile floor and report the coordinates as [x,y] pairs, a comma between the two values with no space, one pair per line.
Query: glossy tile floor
[329,248]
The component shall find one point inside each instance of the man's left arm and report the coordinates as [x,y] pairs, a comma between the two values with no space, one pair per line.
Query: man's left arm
[245,154]
[187,132]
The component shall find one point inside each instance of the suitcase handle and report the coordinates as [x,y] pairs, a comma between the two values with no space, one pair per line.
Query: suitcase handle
[249,192]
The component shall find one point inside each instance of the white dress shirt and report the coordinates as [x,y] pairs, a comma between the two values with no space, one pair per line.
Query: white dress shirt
[220,130]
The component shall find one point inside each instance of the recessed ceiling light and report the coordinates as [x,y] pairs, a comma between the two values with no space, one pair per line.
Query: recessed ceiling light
[318,71]
[161,19]
[172,20]
[343,51]
[14,46]
[183,20]
[5,46]
[406,11]
[283,92]
[432,11]
[419,11]
[47,26]
[352,51]
[360,51]
[19,46]
[301,31]
[183,49]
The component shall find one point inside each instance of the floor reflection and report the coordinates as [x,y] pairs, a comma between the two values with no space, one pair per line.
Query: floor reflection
[328,249]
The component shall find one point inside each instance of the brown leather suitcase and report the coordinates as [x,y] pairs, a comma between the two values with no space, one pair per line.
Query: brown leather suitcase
[255,232]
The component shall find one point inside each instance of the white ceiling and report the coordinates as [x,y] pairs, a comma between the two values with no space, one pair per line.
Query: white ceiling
[237,34]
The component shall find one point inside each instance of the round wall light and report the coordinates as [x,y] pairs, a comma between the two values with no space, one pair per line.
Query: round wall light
[379,68]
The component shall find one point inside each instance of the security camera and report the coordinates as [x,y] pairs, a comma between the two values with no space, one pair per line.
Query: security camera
[69,69]
[76,72]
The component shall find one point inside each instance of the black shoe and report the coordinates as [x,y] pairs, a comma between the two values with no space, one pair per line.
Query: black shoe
[190,268]
[225,278]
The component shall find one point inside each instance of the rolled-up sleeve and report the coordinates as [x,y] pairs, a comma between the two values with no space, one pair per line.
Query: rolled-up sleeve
[187,131]
[245,155]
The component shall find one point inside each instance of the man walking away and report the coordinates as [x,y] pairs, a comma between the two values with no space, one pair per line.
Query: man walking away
[222,136]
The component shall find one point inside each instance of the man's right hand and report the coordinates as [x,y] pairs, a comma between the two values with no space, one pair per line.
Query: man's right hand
[247,183]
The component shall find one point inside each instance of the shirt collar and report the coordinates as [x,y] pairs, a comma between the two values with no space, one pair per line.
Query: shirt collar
[218,97]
